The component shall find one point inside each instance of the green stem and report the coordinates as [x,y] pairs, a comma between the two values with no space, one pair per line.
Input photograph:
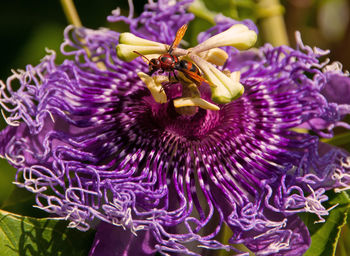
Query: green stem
[272,22]
[71,12]
[233,10]
[199,9]
[73,18]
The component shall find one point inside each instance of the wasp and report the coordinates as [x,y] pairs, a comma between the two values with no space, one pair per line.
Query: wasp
[169,63]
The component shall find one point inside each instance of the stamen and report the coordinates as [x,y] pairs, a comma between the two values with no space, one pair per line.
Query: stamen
[215,56]
[238,36]
[194,102]
[154,86]
[227,88]
[129,43]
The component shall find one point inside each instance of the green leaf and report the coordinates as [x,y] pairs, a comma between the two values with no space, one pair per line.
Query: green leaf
[343,247]
[20,235]
[325,236]
[7,173]
[339,139]
[21,202]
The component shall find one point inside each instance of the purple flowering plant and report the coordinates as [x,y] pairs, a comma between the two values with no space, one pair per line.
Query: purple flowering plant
[163,165]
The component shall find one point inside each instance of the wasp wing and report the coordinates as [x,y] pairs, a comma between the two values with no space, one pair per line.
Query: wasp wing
[179,35]
[194,77]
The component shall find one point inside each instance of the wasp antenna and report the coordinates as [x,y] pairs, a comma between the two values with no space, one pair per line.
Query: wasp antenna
[143,56]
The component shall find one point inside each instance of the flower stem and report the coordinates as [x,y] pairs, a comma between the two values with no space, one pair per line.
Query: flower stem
[199,9]
[233,10]
[272,22]
[71,12]
[73,18]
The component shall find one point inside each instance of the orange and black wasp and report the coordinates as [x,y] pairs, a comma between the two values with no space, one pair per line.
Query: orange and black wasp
[169,63]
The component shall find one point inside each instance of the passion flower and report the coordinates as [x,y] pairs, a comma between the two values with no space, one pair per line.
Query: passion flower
[92,143]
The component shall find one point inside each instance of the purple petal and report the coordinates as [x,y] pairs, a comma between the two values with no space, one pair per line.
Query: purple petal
[337,88]
[111,240]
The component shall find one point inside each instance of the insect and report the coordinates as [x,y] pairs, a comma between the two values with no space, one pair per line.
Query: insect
[169,63]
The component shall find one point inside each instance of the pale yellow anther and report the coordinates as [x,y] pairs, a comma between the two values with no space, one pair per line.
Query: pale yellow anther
[227,88]
[215,56]
[194,102]
[128,43]
[238,36]
[154,85]
[126,52]
[131,39]
[235,76]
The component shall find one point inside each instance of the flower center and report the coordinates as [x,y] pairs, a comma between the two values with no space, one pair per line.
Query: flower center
[191,127]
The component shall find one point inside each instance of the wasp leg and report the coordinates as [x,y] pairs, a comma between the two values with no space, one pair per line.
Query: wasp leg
[174,76]
[161,89]
[150,73]
[169,76]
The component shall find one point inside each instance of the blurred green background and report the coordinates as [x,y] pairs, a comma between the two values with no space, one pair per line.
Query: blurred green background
[28,27]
